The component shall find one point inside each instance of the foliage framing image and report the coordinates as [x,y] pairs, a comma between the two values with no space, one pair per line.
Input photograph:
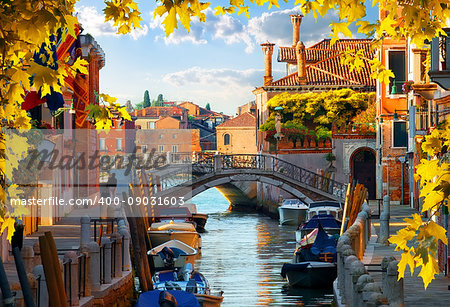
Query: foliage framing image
[26,25]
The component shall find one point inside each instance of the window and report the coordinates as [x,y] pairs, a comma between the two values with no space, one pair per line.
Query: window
[119,144]
[161,136]
[161,148]
[174,148]
[152,125]
[397,65]
[400,134]
[101,144]
[226,139]
[174,136]
[144,148]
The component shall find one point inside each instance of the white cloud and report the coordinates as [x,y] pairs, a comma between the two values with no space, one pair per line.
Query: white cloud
[94,23]
[226,28]
[276,27]
[222,77]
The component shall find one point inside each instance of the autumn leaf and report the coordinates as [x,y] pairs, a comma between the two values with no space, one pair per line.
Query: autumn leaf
[8,223]
[407,259]
[429,269]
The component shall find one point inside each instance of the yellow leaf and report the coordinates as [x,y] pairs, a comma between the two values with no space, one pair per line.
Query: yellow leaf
[8,223]
[428,271]
[407,259]
[81,66]
[108,98]
[433,230]
[402,237]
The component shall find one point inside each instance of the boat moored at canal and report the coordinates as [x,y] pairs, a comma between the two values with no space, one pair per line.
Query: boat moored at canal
[172,254]
[314,263]
[329,207]
[292,212]
[162,232]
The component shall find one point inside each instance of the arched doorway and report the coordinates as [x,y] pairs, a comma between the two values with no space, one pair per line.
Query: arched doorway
[363,168]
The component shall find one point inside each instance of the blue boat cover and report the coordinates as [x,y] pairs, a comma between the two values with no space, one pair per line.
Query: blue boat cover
[298,267]
[151,299]
[323,243]
[326,220]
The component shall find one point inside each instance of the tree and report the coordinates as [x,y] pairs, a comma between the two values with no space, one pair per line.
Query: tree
[147,102]
[208,107]
[317,111]
[29,31]
[418,241]
[160,100]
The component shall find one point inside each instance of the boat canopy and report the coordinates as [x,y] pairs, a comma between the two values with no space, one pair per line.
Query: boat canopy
[326,220]
[152,298]
[325,203]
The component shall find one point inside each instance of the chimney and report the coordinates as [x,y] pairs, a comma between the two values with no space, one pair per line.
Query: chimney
[301,62]
[296,21]
[267,49]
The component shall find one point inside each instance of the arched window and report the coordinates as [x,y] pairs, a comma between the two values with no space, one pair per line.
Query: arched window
[226,139]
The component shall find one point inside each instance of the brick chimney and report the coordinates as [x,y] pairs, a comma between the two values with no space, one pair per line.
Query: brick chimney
[296,21]
[301,62]
[267,49]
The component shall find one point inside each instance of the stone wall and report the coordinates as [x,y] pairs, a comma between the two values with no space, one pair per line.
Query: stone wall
[354,286]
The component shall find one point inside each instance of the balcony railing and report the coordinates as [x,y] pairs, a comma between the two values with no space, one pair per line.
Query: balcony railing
[440,60]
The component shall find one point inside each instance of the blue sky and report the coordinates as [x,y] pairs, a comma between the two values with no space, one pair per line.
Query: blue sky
[219,61]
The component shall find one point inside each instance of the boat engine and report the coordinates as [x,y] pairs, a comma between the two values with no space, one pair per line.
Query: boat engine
[168,257]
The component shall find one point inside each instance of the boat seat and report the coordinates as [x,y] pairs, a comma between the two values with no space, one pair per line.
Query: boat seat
[166,276]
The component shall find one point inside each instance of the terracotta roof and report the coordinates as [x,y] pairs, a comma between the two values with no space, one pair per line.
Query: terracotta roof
[325,67]
[244,120]
[158,111]
[323,50]
[330,72]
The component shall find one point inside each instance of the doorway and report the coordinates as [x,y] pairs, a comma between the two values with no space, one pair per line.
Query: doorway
[362,163]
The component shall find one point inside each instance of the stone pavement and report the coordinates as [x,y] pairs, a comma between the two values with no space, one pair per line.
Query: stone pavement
[438,291]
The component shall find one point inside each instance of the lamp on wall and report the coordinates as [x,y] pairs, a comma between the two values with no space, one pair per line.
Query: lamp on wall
[394,88]
[395,116]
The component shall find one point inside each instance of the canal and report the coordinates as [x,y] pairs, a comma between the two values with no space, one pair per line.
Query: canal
[242,256]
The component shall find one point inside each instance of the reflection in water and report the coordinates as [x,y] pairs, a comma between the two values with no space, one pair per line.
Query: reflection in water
[242,255]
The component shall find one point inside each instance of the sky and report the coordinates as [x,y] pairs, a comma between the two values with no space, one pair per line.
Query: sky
[219,61]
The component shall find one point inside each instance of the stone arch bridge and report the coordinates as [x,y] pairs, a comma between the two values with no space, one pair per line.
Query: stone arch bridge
[226,172]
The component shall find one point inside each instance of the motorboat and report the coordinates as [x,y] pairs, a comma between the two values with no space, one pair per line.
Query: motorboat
[173,213]
[329,207]
[199,218]
[314,264]
[307,232]
[187,279]
[162,232]
[172,254]
[292,212]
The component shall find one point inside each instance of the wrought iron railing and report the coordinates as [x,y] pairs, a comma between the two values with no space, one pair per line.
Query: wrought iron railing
[268,163]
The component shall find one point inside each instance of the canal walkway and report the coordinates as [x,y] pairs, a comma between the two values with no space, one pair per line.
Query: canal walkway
[438,291]
[66,234]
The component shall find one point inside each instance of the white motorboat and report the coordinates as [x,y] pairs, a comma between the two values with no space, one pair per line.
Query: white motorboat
[329,207]
[172,254]
[162,232]
[292,212]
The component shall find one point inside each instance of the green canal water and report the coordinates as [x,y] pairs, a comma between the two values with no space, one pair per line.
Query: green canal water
[242,256]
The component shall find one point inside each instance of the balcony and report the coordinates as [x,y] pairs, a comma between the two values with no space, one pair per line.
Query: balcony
[440,60]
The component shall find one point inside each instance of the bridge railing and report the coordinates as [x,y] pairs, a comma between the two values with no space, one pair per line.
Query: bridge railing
[277,165]
[218,163]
